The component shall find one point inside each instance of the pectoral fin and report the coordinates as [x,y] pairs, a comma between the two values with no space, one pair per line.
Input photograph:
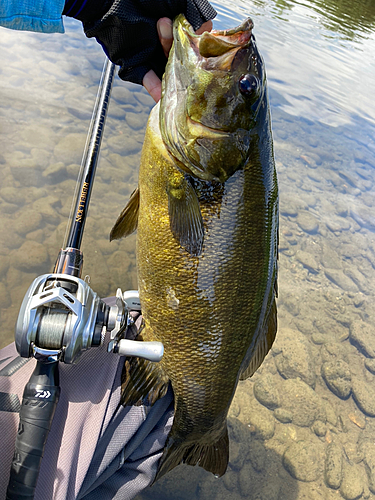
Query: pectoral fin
[142,382]
[185,216]
[128,219]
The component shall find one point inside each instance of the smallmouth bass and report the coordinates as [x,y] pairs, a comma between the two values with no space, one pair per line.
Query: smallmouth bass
[206,210]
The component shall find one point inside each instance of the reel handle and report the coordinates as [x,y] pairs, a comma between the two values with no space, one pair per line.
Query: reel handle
[39,401]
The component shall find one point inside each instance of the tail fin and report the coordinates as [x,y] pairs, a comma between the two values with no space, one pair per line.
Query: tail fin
[212,457]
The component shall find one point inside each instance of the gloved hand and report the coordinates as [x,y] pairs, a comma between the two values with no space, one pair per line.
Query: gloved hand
[127,29]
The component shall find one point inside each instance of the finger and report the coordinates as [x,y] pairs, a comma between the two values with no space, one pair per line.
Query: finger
[164,26]
[152,84]
[207,26]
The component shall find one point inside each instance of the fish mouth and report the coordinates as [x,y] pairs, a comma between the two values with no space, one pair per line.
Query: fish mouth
[216,43]
[210,53]
[198,129]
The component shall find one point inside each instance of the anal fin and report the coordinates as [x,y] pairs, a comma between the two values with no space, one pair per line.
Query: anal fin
[127,221]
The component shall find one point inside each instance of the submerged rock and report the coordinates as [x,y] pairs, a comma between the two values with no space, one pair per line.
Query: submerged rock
[337,224]
[12,195]
[257,456]
[352,483]
[308,261]
[302,402]
[368,449]
[25,224]
[283,416]
[364,396]
[364,216]
[124,145]
[123,95]
[259,420]
[341,280]
[70,148]
[5,300]
[239,437]
[295,359]
[136,120]
[337,376]
[330,258]
[304,460]
[46,207]
[370,365]
[31,256]
[333,473]
[319,428]
[308,222]
[362,336]
[266,392]
[56,172]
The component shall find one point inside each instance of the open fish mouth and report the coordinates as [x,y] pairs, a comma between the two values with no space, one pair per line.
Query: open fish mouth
[218,42]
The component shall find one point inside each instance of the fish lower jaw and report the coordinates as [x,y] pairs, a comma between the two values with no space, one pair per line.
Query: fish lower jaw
[198,130]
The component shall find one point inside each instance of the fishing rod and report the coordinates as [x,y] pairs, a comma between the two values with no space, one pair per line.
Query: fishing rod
[61,317]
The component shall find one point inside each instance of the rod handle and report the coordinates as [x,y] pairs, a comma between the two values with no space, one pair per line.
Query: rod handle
[39,401]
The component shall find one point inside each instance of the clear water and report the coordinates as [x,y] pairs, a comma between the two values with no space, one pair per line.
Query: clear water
[303,427]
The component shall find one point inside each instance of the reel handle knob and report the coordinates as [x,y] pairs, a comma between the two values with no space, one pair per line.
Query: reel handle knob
[153,351]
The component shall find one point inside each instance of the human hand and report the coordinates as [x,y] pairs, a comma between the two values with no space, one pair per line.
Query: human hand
[136,34]
[151,81]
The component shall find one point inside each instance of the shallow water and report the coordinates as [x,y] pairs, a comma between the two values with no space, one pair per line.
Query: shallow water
[303,427]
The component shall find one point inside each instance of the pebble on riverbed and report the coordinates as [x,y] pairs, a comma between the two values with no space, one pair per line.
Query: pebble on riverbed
[293,356]
[303,460]
[31,256]
[362,336]
[333,465]
[302,402]
[307,222]
[370,365]
[352,484]
[266,392]
[364,396]
[338,378]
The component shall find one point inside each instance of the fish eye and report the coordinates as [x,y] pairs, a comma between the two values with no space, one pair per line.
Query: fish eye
[248,85]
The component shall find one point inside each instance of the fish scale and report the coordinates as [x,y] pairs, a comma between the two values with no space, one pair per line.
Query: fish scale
[206,249]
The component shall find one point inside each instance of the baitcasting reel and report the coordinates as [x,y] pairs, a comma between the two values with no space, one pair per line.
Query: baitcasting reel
[61,316]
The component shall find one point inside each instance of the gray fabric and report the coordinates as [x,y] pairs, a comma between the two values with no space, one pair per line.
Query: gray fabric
[96,448]
[9,402]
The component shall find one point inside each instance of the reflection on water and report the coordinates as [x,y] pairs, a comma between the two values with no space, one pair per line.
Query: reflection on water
[352,20]
[303,427]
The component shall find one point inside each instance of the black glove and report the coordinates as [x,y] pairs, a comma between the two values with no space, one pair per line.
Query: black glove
[126,29]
